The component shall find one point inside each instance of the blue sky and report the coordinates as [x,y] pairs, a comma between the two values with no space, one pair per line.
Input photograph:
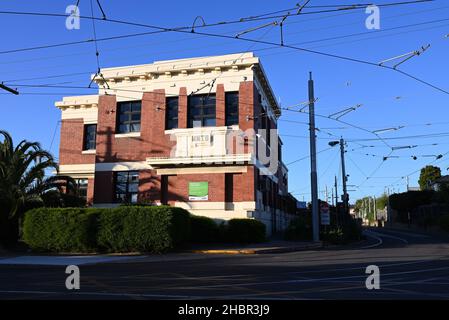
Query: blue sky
[388,98]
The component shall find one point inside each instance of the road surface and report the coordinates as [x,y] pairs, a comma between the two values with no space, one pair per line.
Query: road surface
[412,266]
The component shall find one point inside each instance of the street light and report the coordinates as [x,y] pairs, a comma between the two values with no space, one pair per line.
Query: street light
[343,171]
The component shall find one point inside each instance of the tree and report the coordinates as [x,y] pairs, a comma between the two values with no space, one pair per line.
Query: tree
[428,175]
[23,182]
[382,202]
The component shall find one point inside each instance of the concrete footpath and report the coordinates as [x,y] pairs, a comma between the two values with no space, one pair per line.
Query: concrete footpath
[194,252]
[274,246]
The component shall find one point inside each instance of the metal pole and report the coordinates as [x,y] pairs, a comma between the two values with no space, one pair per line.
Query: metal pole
[332,197]
[337,213]
[369,206]
[343,173]
[313,172]
[326,194]
[375,209]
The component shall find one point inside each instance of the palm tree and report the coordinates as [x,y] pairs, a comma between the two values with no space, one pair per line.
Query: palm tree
[23,180]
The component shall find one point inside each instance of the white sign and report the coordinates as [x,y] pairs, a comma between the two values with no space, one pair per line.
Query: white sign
[325,218]
[325,215]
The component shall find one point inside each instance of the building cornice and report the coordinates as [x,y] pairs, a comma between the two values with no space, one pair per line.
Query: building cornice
[78,102]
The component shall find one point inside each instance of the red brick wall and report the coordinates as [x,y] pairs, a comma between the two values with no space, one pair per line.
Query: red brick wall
[71,143]
[246,105]
[90,190]
[182,108]
[178,187]
[149,186]
[220,106]
[244,185]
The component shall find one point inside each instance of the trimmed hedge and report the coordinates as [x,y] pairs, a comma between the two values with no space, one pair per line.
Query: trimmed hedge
[61,230]
[143,228]
[204,230]
[122,229]
[130,228]
[245,231]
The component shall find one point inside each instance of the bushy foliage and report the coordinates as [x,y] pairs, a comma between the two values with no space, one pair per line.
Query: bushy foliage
[427,176]
[61,230]
[407,201]
[300,228]
[122,229]
[23,182]
[245,231]
[204,230]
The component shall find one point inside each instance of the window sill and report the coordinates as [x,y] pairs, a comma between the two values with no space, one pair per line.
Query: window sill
[127,135]
[92,151]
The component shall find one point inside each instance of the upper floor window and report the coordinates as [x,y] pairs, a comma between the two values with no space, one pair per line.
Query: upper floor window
[90,135]
[232,108]
[128,116]
[171,113]
[201,110]
[126,186]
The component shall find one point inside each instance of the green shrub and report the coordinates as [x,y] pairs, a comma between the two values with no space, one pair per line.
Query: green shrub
[349,231]
[204,229]
[333,235]
[352,231]
[299,229]
[122,229]
[143,228]
[61,230]
[245,231]
[444,222]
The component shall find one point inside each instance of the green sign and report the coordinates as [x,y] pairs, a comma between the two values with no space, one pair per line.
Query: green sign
[198,190]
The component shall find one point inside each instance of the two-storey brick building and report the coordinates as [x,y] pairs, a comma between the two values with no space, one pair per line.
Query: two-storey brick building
[188,133]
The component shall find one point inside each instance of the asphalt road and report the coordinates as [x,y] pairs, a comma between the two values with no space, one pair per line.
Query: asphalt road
[412,266]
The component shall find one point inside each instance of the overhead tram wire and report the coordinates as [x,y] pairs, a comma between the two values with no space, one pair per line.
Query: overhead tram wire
[183,30]
[254,50]
[418,170]
[339,8]
[262,49]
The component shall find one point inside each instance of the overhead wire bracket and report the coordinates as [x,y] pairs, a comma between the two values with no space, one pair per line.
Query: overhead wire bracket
[405,57]
[6,88]
[344,112]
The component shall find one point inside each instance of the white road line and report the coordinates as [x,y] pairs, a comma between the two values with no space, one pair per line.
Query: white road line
[409,234]
[379,241]
[363,276]
[380,234]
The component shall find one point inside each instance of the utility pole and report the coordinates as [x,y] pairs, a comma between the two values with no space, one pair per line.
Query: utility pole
[313,172]
[336,191]
[333,204]
[375,209]
[326,194]
[343,173]
[336,201]
[369,205]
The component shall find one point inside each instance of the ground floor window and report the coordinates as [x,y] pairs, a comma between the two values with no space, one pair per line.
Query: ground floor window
[82,187]
[126,186]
